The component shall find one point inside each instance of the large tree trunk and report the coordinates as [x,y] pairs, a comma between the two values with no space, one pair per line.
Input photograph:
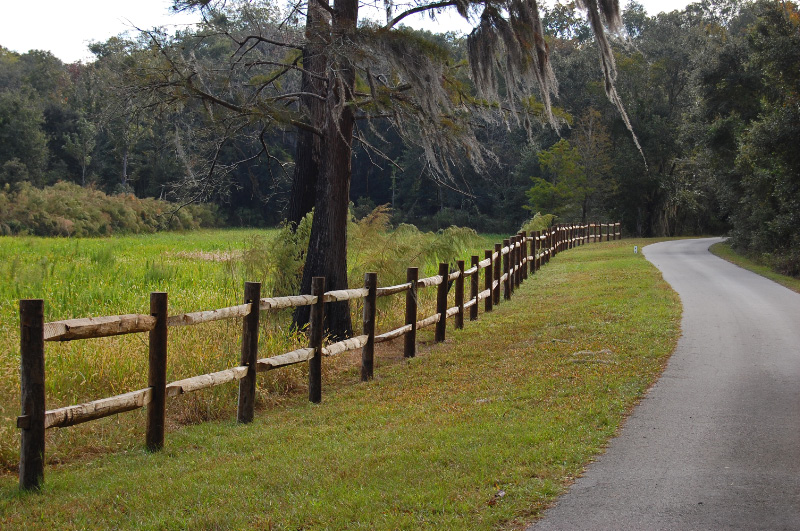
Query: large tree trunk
[308,151]
[327,248]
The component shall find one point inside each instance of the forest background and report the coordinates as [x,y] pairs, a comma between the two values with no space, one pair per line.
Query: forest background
[712,92]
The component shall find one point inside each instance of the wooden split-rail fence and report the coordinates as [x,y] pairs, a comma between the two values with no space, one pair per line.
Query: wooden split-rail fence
[507,266]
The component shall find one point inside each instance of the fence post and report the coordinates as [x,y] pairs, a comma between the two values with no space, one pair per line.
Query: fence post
[157,373]
[473,287]
[247,385]
[544,249]
[487,281]
[524,263]
[315,326]
[368,351]
[410,338]
[512,261]
[441,302]
[459,320]
[498,247]
[31,420]
[517,261]
[507,270]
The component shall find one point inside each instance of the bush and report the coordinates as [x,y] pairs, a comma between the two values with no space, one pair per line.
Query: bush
[66,209]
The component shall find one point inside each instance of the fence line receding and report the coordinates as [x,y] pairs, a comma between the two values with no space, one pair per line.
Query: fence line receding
[506,266]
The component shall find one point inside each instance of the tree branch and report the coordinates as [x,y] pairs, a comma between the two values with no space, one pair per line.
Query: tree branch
[419,9]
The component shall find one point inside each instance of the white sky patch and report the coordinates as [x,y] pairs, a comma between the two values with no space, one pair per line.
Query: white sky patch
[65,28]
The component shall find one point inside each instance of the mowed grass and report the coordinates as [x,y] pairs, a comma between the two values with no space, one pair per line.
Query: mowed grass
[480,432]
[723,250]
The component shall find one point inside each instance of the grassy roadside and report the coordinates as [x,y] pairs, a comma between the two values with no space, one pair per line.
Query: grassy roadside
[724,251]
[480,432]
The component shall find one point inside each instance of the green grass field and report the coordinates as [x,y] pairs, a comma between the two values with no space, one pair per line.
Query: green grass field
[480,432]
[199,270]
[107,276]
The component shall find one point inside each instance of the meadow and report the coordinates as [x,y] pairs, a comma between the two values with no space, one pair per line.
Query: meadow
[479,432]
[200,270]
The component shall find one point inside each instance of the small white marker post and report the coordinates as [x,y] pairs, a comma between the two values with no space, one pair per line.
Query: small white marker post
[635,249]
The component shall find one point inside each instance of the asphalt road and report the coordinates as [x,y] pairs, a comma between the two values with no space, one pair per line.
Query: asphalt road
[716,442]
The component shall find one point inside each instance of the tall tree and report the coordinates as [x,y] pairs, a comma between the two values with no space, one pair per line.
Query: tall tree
[368,72]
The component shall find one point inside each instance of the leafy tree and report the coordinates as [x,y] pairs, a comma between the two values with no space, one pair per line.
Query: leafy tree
[351,73]
[80,145]
[564,188]
[23,145]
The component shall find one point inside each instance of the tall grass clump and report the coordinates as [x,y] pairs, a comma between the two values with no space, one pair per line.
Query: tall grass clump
[539,221]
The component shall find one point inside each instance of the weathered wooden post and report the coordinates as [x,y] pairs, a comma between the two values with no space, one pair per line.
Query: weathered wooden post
[507,270]
[315,328]
[368,350]
[473,287]
[543,253]
[157,373]
[459,320]
[31,420]
[247,385]
[524,264]
[498,249]
[532,264]
[517,261]
[410,338]
[512,262]
[441,303]
[487,281]
[512,252]
[549,239]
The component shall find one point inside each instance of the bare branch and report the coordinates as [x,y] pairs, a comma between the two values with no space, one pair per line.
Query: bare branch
[419,9]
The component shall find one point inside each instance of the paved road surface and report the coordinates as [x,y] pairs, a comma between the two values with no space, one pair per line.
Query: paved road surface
[716,442]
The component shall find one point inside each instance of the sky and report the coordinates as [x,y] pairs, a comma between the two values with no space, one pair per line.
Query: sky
[65,28]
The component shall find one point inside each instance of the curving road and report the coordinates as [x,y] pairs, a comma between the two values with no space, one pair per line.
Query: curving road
[716,442]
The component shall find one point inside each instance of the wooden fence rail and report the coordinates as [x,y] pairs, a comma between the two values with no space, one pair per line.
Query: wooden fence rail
[518,256]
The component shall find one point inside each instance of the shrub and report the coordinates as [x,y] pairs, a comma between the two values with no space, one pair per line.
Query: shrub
[66,209]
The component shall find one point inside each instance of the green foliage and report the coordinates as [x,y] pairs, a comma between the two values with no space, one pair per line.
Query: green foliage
[563,188]
[277,260]
[374,246]
[66,209]
[23,144]
[751,101]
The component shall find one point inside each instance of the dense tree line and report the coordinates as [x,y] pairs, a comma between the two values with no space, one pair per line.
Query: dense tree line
[711,92]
